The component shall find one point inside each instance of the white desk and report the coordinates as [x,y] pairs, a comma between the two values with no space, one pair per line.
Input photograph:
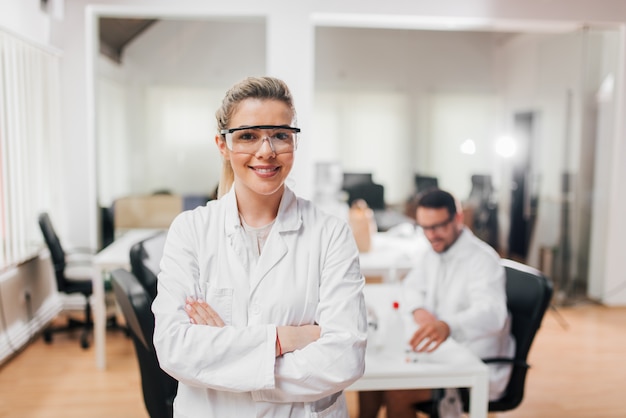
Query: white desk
[116,255]
[391,256]
[451,365]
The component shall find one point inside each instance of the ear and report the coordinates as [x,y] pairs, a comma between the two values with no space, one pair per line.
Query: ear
[459,218]
[221,146]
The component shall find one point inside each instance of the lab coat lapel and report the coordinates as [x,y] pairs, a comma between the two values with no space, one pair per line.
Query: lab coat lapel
[288,219]
[275,249]
[234,231]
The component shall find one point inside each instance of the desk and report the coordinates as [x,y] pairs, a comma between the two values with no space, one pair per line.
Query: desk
[116,255]
[391,256]
[451,365]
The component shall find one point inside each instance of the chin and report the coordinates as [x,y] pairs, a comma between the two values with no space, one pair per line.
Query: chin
[267,190]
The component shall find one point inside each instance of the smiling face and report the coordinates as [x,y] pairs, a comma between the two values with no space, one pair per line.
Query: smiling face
[264,172]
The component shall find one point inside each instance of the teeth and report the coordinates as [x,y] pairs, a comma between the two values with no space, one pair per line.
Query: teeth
[264,170]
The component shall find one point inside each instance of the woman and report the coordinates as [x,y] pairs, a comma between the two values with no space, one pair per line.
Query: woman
[259,310]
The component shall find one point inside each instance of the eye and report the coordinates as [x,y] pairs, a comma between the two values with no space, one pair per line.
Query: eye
[283,135]
[245,135]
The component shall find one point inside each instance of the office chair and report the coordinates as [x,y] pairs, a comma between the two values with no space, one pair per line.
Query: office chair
[68,283]
[145,257]
[73,274]
[528,294]
[159,388]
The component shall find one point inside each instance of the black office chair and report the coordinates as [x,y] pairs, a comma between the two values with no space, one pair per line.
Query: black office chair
[528,294]
[159,388]
[73,273]
[145,257]
[67,284]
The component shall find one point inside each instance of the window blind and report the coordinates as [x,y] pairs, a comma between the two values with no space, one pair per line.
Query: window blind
[29,143]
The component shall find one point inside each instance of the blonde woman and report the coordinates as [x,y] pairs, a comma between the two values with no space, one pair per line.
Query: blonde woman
[259,311]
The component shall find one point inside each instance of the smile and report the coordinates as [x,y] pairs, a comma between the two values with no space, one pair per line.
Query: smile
[265,170]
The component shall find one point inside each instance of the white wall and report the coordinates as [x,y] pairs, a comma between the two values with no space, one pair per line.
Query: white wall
[382,96]
[28,301]
[182,66]
[601,286]
[298,17]
[366,91]
[28,297]
[613,290]
[26,19]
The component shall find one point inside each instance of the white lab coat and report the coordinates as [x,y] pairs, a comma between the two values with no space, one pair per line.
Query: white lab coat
[465,287]
[308,272]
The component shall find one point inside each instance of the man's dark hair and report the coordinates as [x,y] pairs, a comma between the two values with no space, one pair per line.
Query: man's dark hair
[436,198]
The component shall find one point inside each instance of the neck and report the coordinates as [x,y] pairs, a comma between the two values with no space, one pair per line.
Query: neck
[258,210]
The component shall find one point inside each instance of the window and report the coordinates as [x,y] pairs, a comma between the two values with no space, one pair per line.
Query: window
[29,133]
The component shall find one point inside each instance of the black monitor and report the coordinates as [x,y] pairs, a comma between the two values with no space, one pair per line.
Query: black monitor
[353,179]
[425,182]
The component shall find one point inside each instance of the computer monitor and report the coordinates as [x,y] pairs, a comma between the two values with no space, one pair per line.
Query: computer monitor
[353,179]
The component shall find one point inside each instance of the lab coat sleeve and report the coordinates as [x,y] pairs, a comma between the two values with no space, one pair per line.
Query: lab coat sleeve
[336,360]
[238,359]
[486,312]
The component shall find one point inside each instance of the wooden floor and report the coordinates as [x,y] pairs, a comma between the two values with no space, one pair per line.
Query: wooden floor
[576,372]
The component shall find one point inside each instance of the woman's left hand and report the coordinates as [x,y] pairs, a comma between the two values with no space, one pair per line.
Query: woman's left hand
[201,313]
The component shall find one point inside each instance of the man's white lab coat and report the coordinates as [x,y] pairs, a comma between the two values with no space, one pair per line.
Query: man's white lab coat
[308,273]
[465,287]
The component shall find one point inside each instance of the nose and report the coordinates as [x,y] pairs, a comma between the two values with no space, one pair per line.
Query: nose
[431,234]
[270,146]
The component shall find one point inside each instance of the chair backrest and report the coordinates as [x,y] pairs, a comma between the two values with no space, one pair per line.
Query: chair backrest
[528,296]
[57,254]
[159,388]
[145,257]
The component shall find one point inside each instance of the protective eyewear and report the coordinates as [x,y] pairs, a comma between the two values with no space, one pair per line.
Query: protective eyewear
[437,227]
[249,139]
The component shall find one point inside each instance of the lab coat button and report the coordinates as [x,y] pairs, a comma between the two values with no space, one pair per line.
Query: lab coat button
[255,309]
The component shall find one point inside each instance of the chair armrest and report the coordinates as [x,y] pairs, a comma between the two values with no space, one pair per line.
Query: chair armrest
[515,362]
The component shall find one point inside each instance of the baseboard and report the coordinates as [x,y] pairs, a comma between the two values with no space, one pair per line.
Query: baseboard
[20,333]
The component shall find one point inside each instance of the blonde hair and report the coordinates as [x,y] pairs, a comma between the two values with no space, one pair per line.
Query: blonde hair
[266,88]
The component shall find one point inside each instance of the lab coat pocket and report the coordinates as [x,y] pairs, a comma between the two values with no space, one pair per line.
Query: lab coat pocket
[337,409]
[221,300]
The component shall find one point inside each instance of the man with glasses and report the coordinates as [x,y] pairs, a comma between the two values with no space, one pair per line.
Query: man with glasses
[457,289]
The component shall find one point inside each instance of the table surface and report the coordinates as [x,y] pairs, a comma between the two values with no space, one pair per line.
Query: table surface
[451,365]
[115,255]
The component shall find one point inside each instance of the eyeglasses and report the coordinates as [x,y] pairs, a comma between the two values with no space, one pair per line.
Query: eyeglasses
[249,139]
[437,227]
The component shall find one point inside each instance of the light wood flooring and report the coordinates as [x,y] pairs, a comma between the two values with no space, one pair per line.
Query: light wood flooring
[578,371]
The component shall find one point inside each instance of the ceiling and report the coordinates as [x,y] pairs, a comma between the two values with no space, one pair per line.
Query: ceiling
[116,34]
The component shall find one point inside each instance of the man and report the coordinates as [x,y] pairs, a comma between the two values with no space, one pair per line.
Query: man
[457,289]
